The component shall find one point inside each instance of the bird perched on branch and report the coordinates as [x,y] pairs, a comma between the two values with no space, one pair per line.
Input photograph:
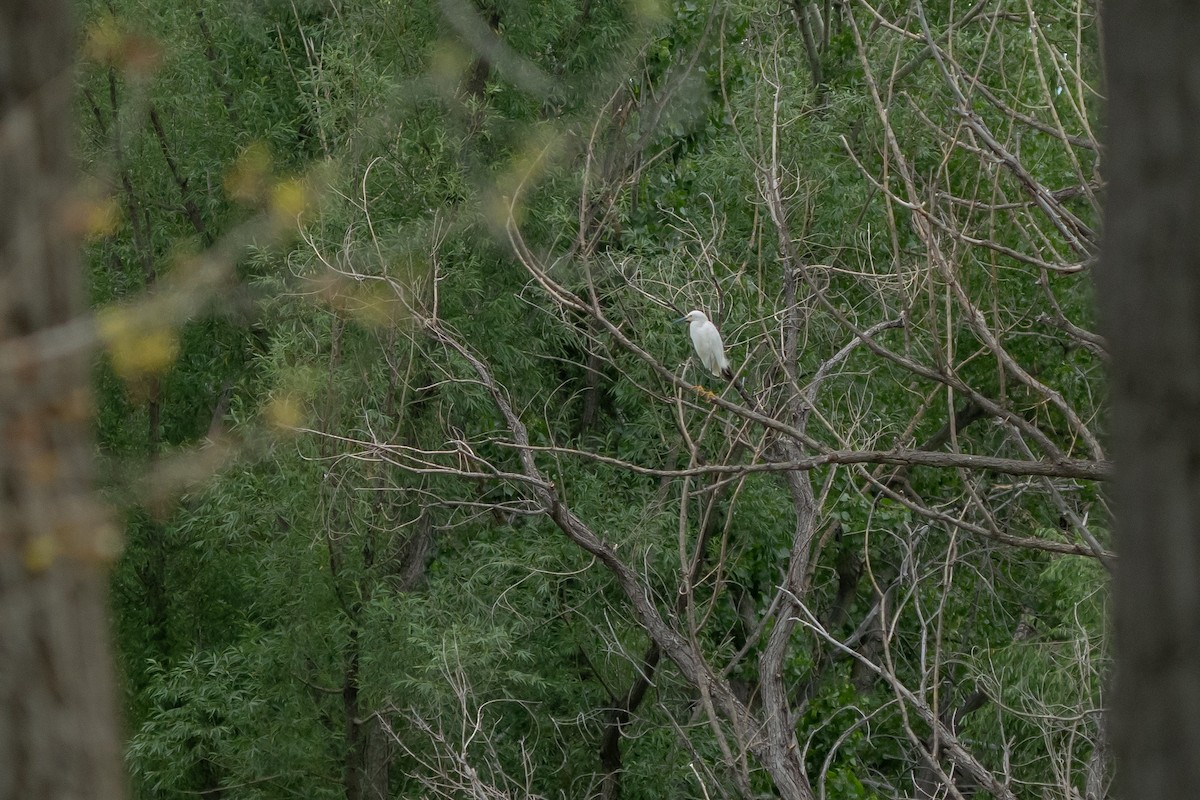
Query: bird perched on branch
[707,341]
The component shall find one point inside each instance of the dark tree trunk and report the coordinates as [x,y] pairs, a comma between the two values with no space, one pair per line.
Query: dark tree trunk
[1149,283]
[58,729]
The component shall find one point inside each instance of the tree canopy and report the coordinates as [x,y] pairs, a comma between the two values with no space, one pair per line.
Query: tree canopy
[426,497]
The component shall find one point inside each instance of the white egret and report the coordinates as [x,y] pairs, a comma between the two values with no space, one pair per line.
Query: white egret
[707,341]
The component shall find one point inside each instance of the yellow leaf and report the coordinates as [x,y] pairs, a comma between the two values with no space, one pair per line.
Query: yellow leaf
[289,200]
[374,304]
[40,553]
[103,42]
[285,412]
[101,218]
[138,56]
[136,350]
[113,324]
[246,180]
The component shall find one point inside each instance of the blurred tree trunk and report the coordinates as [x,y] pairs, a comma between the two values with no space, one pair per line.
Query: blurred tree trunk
[1149,284]
[58,731]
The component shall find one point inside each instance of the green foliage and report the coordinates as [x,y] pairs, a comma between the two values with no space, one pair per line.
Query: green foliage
[333,577]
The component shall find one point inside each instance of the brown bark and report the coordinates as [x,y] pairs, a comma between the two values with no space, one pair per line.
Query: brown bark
[58,717]
[1149,282]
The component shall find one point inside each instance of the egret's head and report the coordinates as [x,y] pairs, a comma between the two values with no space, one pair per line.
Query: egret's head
[693,316]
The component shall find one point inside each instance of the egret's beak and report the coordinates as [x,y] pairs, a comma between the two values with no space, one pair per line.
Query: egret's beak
[677,321]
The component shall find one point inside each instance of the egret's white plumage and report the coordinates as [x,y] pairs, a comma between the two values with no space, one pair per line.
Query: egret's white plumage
[707,341]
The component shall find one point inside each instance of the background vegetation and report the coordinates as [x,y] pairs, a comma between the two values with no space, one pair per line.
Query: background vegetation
[423,496]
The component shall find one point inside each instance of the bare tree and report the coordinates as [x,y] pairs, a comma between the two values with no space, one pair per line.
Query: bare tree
[977,268]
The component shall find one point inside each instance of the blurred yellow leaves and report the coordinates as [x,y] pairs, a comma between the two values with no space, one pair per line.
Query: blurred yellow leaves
[251,181]
[248,178]
[290,403]
[40,552]
[373,303]
[101,218]
[289,201]
[137,348]
[447,63]
[107,43]
[89,213]
[285,412]
[99,542]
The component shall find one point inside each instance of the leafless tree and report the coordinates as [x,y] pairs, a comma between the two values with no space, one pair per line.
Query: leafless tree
[983,277]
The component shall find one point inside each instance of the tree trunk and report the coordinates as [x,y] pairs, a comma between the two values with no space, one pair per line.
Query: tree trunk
[1149,282]
[58,729]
